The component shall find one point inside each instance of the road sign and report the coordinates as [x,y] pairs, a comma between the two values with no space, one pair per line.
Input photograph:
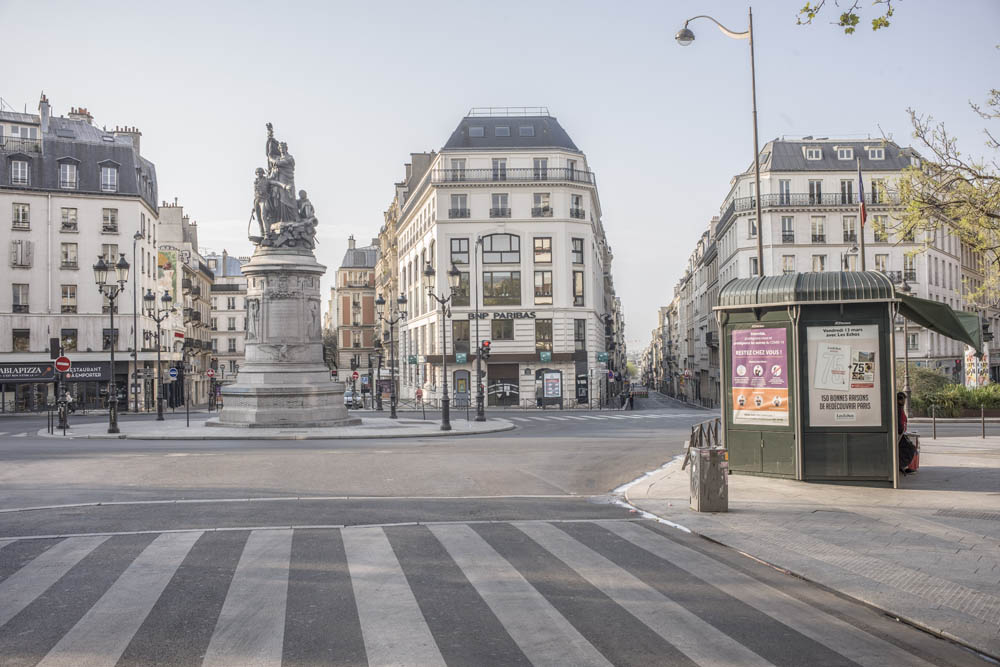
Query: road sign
[210,373]
[545,356]
[611,375]
[172,373]
[355,375]
[412,359]
[364,379]
[62,364]
[602,356]
[461,357]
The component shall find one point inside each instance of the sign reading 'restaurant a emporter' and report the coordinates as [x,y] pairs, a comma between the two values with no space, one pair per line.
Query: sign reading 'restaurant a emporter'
[92,371]
[760,376]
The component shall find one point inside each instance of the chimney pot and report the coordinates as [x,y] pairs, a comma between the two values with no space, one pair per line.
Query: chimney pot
[350,242]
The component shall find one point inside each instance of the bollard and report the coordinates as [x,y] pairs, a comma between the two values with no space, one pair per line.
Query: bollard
[934,422]
[982,418]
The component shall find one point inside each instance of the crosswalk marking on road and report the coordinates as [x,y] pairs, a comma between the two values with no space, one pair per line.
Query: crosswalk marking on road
[104,632]
[19,589]
[544,589]
[544,635]
[392,624]
[251,625]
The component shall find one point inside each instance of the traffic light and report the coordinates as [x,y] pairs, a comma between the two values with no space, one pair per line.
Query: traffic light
[987,334]
[484,349]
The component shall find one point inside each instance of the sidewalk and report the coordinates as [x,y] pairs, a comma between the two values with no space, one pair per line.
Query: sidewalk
[927,553]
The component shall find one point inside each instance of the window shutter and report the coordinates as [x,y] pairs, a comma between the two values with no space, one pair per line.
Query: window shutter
[13,252]
[28,248]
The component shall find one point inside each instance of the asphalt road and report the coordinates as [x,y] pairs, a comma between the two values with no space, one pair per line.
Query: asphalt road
[504,548]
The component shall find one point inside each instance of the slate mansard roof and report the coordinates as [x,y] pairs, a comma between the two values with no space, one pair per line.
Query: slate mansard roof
[88,147]
[360,258]
[548,133]
[789,155]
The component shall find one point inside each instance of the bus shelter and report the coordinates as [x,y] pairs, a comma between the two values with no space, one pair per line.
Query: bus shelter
[808,372]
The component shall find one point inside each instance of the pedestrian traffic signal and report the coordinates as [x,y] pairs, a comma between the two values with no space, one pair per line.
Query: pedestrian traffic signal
[987,334]
[484,349]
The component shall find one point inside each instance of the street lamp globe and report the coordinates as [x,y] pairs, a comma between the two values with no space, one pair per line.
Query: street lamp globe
[121,269]
[379,306]
[454,277]
[166,299]
[401,305]
[684,36]
[429,277]
[149,300]
[101,272]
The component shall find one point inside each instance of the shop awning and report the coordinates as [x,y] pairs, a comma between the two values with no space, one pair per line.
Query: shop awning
[940,317]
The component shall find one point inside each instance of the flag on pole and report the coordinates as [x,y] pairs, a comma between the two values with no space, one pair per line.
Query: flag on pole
[861,196]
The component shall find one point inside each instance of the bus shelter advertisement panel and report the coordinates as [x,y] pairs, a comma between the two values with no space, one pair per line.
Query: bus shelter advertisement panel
[844,387]
[760,376]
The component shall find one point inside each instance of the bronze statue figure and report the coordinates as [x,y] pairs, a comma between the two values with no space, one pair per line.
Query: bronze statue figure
[282,219]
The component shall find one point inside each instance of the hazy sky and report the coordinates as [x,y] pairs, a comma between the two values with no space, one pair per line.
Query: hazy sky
[354,87]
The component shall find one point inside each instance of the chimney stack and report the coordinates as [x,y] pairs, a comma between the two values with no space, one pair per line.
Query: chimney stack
[81,114]
[375,242]
[44,112]
[132,133]
[350,242]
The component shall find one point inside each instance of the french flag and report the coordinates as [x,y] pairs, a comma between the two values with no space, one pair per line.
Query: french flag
[861,195]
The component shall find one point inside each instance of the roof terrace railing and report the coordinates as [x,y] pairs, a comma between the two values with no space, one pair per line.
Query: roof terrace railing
[522,175]
[501,112]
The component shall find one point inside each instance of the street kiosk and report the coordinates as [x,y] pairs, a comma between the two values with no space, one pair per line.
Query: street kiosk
[808,379]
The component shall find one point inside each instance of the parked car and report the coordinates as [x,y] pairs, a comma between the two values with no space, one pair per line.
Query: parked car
[351,400]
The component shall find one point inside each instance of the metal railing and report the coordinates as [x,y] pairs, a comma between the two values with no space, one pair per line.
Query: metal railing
[499,212]
[806,199]
[541,212]
[705,435]
[522,174]
[788,237]
[458,213]
[577,213]
[19,144]
[819,238]
[850,237]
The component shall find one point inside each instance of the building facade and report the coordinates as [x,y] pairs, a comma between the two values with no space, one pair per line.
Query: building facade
[228,318]
[352,304]
[74,191]
[511,203]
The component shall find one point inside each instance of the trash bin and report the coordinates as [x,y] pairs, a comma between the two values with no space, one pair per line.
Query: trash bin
[709,479]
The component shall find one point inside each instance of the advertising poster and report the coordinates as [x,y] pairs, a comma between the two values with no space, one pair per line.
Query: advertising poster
[166,272]
[760,376]
[552,384]
[844,387]
[977,371]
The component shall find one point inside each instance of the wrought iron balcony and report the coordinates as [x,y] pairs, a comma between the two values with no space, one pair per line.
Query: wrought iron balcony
[788,237]
[541,212]
[458,213]
[577,213]
[819,238]
[499,212]
[910,274]
[19,145]
[850,237]
[525,175]
[800,199]
[69,264]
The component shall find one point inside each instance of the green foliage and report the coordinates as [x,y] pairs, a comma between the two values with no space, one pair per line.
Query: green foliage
[850,18]
[952,399]
[923,381]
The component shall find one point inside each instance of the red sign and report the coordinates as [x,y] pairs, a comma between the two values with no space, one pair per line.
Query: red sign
[62,364]
[355,375]
[210,372]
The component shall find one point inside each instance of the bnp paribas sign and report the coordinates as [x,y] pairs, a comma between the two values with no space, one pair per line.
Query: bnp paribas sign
[27,372]
[510,315]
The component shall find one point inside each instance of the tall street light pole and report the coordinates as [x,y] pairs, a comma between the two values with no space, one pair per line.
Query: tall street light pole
[111,291]
[684,37]
[454,278]
[392,320]
[158,315]
[135,329]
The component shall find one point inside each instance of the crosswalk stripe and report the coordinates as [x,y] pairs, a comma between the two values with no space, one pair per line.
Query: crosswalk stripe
[562,419]
[597,418]
[250,629]
[393,627]
[541,632]
[575,418]
[823,628]
[19,589]
[519,419]
[699,640]
[19,435]
[102,635]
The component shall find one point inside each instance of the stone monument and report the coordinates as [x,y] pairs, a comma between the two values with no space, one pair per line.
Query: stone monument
[283,380]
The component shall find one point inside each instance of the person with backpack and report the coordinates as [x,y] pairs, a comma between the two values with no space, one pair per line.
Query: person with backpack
[907,450]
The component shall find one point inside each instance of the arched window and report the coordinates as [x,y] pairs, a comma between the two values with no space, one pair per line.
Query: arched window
[501,249]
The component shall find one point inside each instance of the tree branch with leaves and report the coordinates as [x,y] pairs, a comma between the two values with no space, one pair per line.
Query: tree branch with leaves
[851,16]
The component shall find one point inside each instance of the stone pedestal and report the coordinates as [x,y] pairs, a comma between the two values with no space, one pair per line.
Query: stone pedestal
[283,380]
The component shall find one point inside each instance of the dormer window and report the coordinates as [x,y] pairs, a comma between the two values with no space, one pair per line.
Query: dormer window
[109,179]
[526,131]
[476,131]
[19,172]
[501,131]
[845,153]
[876,153]
[814,153]
[68,178]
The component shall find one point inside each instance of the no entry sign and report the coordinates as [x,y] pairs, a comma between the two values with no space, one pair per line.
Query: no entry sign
[210,372]
[62,364]
[354,375]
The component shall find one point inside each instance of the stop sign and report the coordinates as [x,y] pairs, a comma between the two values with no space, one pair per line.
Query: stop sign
[354,375]
[62,364]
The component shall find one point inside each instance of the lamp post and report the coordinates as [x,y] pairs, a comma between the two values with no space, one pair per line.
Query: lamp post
[904,288]
[684,37]
[454,278]
[158,315]
[480,399]
[135,326]
[392,320]
[111,291]
[377,387]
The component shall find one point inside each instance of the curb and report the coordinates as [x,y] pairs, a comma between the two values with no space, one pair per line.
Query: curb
[942,634]
[499,428]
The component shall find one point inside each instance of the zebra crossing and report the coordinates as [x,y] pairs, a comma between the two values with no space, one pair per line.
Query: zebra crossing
[581,592]
[609,417]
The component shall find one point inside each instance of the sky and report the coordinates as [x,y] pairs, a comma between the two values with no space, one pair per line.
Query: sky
[355,87]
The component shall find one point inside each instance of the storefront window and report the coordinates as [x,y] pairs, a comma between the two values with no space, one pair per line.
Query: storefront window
[543,335]
[502,329]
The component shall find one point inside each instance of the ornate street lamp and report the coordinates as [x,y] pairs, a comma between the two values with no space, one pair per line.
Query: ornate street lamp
[684,37]
[454,278]
[135,324]
[158,315]
[394,318]
[111,291]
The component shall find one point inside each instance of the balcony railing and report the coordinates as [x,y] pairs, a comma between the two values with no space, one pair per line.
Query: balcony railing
[20,307]
[68,183]
[788,237]
[577,213]
[69,264]
[458,213]
[541,212]
[109,228]
[527,174]
[910,274]
[793,199]
[850,237]
[19,145]
[499,212]
[69,227]
[68,309]
[819,238]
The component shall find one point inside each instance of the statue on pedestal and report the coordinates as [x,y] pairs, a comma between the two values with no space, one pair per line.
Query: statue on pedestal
[282,219]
